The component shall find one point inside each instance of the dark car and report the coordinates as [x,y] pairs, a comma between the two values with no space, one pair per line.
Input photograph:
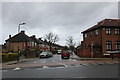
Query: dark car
[65,54]
[50,53]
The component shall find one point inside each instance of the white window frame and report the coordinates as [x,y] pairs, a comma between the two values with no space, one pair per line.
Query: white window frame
[117,45]
[32,44]
[96,32]
[108,31]
[85,35]
[108,45]
[117,31]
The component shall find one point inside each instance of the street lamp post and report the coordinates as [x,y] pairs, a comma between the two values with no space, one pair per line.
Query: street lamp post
[92,50]
[18,42]
[19,26]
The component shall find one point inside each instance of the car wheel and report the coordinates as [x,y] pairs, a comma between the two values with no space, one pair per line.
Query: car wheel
[68,57]
[62,57]
[47,56]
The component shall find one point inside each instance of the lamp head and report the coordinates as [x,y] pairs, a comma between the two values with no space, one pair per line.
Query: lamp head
[22,23]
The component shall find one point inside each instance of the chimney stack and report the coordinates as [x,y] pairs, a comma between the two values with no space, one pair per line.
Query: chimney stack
[23,32]
[9,36]
[40,38]
[34,36]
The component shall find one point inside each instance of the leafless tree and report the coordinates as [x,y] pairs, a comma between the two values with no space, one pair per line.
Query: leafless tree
[70,42]
[51,38]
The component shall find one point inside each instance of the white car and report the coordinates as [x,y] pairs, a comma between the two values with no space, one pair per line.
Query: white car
[59,51]
[44,55]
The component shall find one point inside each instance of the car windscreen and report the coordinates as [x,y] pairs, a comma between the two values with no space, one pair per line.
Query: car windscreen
[49,52]
[65,51]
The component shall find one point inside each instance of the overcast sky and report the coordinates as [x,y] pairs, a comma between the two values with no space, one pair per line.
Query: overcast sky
[62,18]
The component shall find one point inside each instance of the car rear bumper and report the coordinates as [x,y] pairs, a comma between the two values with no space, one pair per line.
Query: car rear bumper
[65,57]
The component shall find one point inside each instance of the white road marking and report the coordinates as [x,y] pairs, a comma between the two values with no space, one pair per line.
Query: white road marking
[74,60]
[17,68]
[45,67]
[63,64]
[85,64]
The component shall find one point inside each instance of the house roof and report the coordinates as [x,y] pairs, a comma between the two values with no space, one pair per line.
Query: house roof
[36,40]
[41,41]
[20,37]
[105,22]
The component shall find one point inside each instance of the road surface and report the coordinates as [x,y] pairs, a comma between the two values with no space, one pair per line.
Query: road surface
[91,70]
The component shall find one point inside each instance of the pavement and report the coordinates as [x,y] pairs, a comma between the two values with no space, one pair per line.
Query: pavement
[79,60]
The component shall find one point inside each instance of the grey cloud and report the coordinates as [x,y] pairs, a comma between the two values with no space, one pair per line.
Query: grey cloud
[64,18]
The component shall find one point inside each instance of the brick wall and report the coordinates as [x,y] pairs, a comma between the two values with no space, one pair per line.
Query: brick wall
[99,39]
[112,37]
[92,39]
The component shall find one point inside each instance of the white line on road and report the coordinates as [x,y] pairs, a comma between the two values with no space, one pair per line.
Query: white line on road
[17,68]
[63,64]
[74,60]
[45,67]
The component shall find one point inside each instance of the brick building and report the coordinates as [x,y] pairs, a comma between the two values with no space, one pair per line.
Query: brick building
[101,39]
[19,41]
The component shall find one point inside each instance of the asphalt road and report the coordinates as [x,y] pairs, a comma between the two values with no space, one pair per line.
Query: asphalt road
[88,71]
[62,70]
[55,59]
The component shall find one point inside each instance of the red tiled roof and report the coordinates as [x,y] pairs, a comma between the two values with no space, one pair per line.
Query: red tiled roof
[105,22]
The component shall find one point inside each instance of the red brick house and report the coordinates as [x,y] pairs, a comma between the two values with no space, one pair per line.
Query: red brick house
[20,41]
[101,39]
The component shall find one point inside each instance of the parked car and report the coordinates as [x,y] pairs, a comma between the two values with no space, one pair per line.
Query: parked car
[65,54]
[71,52]
[59,52]
[44,55]
[50,53]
